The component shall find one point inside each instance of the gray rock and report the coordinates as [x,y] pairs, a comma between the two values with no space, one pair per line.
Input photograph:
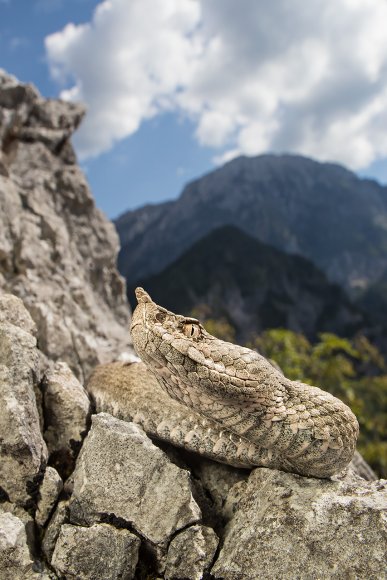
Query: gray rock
[288,526]
[59,517]
[16,562]
[15,558]
[13,311]
[98,552]
[121,475]
[217,479]
[67,410]
[190,554]
[25,517]
[23,450]
[57,250]
[49,491]
[361,468]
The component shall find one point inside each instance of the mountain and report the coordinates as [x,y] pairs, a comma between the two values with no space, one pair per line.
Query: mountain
[374,302]
[321,211]
[254,286]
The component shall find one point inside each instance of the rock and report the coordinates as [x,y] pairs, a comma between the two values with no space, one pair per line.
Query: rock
[288,526]
[16,562]
[122,476]
[57,250]
[217,479]
[49,492]
[101,551]
[361,468]
[25,517]
[13,311]
[15,558]
[60,517]
[67,412]
[191,553]
[23,450]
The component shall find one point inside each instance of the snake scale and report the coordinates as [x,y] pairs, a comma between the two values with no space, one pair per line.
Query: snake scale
[272,421]
[226,401]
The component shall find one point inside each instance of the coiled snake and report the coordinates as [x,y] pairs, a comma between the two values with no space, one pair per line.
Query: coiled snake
[243,411]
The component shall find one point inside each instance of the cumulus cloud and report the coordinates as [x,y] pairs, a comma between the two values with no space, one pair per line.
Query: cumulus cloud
[307,77]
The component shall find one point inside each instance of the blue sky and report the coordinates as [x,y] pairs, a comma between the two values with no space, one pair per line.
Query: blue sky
[176,87]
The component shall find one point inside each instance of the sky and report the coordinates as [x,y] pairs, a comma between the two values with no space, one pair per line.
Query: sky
[174,88]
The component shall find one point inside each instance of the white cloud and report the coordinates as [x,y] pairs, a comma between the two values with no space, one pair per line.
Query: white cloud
[308,77]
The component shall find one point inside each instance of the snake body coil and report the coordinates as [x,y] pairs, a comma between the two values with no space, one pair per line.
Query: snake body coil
[258,416]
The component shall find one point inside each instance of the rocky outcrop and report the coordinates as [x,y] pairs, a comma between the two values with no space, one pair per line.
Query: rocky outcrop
[57,250]
[139,508]
[23,449]
[122,476]
[288,526]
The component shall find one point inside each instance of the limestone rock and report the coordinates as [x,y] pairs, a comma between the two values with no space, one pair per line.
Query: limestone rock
[59,517]
[23,450]
[121,475]
[15,558]
[100,551]
[190,554]
[57,250]
[217,479]
[67,410]
[16,562]
[49,492]
[361,468]
[13,311]
[288,526]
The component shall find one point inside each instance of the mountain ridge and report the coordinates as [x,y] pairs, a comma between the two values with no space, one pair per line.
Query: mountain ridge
[253,286]
[322,211]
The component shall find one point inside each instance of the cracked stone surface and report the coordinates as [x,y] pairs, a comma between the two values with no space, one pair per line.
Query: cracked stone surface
[121,475]
[288,526]
[49,491]
[67,410]
[23,450]
[59,517]
[16,562]
[15,558]
[101,551]
[190,554]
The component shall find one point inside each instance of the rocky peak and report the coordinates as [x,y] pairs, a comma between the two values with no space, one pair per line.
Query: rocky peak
[321,211]
[57,250]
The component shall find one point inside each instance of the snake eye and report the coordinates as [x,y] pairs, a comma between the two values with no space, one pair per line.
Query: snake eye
[160,316]
[191,330]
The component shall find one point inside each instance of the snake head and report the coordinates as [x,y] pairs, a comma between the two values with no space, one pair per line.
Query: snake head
[142,296]
[152,324]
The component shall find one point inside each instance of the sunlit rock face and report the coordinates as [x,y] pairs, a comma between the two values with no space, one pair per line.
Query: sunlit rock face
[57,250]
